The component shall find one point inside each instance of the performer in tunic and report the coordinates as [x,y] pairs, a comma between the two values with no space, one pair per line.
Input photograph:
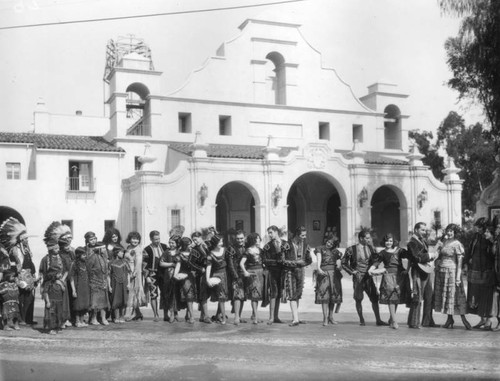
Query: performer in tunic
[97,265]
[394,275]
[52,272]
[356,262]
[480,276]
[328,282]
[217,263]
[420,266]
[198,262]
[293,262]
[14,237]
[449,293]
[9,295]
[186,276]
[251,266]
[272,255]
[170,295]
[79,279]
[136,296]
[67,254]
[112,238]
[119,271]
[154,277]
[237,289]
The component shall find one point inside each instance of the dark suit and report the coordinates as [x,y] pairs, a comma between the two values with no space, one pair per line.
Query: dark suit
[418,252]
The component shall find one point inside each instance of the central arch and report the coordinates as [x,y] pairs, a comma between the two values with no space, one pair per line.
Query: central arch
[387,213]
[236,208]
[314,201]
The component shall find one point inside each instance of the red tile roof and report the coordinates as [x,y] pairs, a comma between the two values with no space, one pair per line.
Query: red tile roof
[60,142]
[383,160]
[229,151]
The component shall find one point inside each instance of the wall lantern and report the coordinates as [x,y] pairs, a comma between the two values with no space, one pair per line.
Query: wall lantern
[362,197]
[422,198]
[203,194]
[277,195]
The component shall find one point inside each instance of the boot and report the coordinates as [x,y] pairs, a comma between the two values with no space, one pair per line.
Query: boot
[466,323]
[449,322]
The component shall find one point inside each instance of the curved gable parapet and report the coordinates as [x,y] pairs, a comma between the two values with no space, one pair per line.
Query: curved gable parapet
[337,75]
[243,71]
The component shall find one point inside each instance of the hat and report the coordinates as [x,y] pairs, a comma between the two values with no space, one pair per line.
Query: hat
[79,251]
[88,236]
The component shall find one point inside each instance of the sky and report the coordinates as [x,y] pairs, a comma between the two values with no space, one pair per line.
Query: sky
[363,40]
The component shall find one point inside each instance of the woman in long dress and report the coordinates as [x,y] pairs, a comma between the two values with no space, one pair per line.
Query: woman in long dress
[449,292]
[136,296]
[480,275]
[328,288]
[169,301]
[251,265]
[186,279]
[393,277]
[217,264]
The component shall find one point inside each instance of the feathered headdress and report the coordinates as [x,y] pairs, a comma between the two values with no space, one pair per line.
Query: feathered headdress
[66,236]
[177,230]
[53,233]
[11,231]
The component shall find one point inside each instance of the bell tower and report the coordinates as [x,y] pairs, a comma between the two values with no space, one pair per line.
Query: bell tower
[133,89]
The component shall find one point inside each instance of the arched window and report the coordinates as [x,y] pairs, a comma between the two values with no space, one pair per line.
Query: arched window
[276,77]
[392,127]
[138,110]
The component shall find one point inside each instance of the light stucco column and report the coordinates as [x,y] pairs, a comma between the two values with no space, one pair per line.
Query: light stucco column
[454,192]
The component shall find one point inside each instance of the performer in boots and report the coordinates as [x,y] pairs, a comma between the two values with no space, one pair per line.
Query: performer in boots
[356,262]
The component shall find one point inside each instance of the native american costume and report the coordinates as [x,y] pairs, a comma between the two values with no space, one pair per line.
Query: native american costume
[53,270]
[13,236]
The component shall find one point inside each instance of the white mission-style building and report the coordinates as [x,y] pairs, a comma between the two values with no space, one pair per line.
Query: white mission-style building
[262,134]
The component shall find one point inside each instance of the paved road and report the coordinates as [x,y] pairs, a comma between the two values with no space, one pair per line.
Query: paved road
[152,351]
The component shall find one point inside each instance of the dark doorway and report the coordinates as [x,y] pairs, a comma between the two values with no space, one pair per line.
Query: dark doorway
[385,213]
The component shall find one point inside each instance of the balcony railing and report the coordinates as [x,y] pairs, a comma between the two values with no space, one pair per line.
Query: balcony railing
[80,184]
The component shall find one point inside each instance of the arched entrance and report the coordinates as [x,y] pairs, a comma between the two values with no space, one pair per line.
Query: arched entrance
[235,208]
[314,202]
[6,212]
[386,213]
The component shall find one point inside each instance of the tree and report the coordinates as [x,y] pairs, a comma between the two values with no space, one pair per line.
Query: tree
[470,147]
[474,56]
[423,140]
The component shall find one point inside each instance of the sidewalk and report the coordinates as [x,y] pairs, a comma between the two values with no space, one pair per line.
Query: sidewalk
[148,350]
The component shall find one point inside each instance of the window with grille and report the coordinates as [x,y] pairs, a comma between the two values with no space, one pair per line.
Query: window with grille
[80,176]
